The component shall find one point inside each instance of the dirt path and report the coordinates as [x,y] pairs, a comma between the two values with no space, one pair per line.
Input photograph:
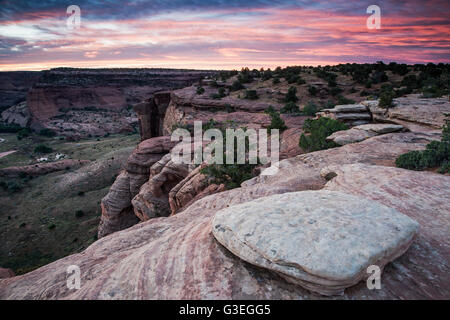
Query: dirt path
[4,154]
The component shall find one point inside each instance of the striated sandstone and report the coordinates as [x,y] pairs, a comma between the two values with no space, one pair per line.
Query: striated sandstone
[178,258]
[362,132]
[321,240]
[117,210]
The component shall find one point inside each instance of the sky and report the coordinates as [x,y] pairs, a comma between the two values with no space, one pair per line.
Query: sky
[220,34]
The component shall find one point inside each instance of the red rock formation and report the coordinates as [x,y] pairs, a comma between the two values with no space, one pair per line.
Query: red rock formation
[6,273]
[117,212]
[178,258]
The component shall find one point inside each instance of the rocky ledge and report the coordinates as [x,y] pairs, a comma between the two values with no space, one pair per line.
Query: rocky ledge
[321,240]
[178,257]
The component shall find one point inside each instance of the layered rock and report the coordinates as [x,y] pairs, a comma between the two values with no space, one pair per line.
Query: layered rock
[352,114]
[117,210]
[95,102]
[321,240]
[18,115]
[153,200]
[186,106]
[178,258]
[413,111]
[362,132]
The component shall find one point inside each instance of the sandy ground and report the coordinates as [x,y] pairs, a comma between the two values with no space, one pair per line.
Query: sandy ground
[4,154]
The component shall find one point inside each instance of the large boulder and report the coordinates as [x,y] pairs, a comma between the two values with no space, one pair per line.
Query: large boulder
[321,240]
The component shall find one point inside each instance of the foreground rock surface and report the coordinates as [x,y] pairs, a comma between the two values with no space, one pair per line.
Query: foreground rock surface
[363,132]
[6,273]
[178,258]
[322,240]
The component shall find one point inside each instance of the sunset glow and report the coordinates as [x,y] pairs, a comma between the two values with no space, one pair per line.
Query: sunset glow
[220,34]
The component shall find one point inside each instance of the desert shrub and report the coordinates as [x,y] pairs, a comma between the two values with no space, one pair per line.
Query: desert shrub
[51,226]
[42,148]
[47,133]
[245,76]
[276,122]
[300,81]
[290,107]
[410,81]
[267,75]
[445,168]
[80,193]
[291,95]
[433,91]
[11,186]
[368,84]
[200,90]
[231,175]
[276,80]
[365,93]
[386,99]
[236,86]
[319,130]
[23,134]
[334,91]
[313,90]
[436,154]
[310,109]
[251,95]
[343,100]
[79,213]
[229,108]
[9,128]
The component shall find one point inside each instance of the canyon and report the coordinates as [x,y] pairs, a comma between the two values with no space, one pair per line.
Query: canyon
[170,231]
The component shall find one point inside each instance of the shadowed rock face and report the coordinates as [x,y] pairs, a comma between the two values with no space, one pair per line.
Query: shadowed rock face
[117,211]
[151,115]
[82,101]
[6,273]
[178,258]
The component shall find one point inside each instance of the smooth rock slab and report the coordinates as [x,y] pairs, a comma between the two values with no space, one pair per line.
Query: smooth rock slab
[321,240]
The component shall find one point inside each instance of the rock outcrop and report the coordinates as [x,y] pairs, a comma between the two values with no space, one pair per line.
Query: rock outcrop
[413,112]
[178,258]
[86,102]
[151,115]
[363,132]
[18,115]
[42,168]
[117,211]
[321,240]
[6,273]
[351,114]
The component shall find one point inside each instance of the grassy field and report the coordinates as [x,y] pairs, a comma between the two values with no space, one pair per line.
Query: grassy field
[57,214]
